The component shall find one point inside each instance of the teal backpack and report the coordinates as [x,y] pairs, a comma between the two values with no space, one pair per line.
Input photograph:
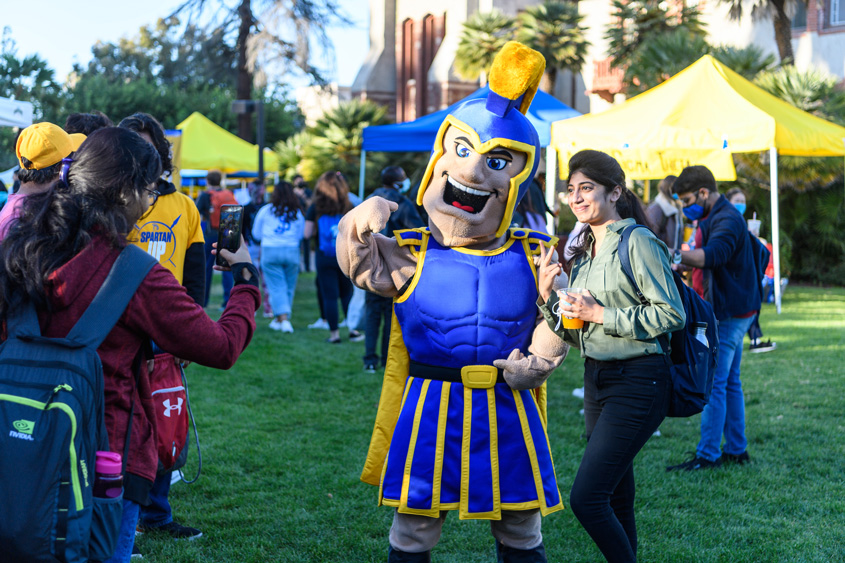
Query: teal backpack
[51,426]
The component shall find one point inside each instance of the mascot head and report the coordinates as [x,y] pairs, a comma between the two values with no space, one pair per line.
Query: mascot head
[485,155]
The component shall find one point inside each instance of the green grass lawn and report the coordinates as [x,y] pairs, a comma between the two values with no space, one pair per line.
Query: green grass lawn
[285,432]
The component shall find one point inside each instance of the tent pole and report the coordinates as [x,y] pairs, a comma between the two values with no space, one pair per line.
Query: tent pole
[362,173]
[647,191]
[773,177]
[551,185]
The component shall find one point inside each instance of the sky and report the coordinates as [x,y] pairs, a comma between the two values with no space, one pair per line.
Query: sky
[65,35]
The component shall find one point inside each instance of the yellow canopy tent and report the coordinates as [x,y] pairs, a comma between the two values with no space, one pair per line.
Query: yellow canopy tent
[700,116]
[205,145]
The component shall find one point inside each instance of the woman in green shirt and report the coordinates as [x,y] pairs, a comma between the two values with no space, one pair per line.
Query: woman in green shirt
[626,377]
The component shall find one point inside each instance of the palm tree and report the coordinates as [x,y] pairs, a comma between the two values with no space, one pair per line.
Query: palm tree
[269,32]
[779,11]
[336,140]
[483,35]
[660,57]
[748,61]
[639,20]
[554,29]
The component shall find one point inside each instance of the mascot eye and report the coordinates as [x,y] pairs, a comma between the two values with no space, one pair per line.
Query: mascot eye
[497,163]
[463,151]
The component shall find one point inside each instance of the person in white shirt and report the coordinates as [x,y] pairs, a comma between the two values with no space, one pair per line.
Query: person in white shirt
[279,226]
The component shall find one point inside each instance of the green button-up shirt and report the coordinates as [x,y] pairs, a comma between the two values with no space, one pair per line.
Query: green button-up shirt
[630,328]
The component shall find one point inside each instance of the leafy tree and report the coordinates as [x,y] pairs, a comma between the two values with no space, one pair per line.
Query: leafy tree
[554,29]
[776,10]
[639,20]
[27,79]
[270,35]
[660,57]
[483,35]
[812,199]
[170,71]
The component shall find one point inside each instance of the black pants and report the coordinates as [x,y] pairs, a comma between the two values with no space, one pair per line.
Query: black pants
[624,403]
[332,284]
[379,313]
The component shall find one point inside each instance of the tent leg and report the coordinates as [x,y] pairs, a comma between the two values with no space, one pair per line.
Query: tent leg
[551,184]
[362,173]
[773,177]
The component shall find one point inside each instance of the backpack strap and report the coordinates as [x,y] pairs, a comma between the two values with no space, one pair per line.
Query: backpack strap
[625,260]
[22,319]
[127,273]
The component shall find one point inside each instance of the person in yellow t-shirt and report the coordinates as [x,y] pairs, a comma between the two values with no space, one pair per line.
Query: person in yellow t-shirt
[172,233]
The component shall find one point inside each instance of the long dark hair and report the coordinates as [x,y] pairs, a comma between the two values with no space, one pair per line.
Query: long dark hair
[604,170]
[331,194]
[284,201]
[104,195]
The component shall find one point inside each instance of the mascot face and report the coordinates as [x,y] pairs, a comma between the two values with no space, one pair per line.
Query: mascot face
[471,186]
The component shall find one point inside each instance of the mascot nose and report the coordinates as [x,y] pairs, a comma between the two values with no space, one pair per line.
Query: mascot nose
[475,174]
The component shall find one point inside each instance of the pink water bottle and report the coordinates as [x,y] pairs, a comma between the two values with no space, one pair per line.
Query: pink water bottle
[108,479]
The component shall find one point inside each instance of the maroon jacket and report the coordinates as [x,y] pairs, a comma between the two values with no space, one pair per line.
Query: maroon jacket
[160,310]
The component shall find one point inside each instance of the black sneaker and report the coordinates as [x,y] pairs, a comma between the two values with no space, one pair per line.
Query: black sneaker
[175,530]
[355,336]
[695,464]
[370,368]
[739,459]
[136,553]
[758,347]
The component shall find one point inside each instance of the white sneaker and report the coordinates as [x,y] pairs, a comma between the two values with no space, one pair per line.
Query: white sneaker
[286,326]
[275,325]
[320,323]
[268,315]
[578,392]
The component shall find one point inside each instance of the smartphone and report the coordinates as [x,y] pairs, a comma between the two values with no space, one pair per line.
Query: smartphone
[229,231]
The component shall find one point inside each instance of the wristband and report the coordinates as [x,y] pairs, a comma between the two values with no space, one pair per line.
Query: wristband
[238,273]
[676,257]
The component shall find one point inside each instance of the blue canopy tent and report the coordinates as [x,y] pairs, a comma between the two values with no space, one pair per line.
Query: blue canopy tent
[418,135]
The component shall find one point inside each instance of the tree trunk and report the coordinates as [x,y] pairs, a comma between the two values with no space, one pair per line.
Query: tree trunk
[549,80]
[244,85]
[783,32]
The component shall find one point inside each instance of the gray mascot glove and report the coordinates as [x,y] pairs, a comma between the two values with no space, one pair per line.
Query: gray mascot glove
[525,372]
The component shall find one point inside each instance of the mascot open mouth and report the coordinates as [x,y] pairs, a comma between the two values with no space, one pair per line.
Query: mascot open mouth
[463,197]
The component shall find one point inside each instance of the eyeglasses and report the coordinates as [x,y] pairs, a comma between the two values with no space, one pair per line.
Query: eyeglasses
[152,196]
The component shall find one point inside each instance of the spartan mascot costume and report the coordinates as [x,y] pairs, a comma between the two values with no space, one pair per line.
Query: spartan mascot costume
[461,422]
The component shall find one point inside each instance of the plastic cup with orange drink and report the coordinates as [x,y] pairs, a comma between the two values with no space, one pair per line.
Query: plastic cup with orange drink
[568,322]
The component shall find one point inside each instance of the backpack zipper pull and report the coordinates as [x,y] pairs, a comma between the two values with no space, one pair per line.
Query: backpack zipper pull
[60,387]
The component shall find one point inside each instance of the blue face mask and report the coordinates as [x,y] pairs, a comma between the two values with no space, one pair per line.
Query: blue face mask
[740,207]
[693,212]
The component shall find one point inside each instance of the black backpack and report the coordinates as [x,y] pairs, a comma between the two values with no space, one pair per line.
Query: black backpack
[692,363]
[51,426]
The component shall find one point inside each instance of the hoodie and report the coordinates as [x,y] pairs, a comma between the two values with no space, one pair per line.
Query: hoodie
[162,311]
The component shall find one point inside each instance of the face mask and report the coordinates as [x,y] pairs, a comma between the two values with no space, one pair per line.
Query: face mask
[693,212]
[740,207]
[405,185]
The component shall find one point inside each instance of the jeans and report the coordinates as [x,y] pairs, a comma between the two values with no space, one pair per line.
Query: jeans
[280,265]
[379,311]
[228,280]
[725,412]
[126,538]
[624,403]
[158,513]
[333,284]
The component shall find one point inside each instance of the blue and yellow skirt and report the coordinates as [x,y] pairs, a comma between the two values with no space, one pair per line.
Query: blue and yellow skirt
[478,451]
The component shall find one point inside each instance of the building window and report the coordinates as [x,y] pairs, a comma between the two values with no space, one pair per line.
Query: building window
[799,20]
[837,12]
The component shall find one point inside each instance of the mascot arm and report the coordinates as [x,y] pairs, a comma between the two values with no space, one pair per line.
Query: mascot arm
[372,261]
[545,353]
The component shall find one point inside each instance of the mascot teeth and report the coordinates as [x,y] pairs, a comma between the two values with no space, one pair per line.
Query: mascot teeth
[463,197]
[467,189]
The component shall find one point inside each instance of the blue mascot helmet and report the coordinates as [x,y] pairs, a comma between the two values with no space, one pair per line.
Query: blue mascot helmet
[499,120]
